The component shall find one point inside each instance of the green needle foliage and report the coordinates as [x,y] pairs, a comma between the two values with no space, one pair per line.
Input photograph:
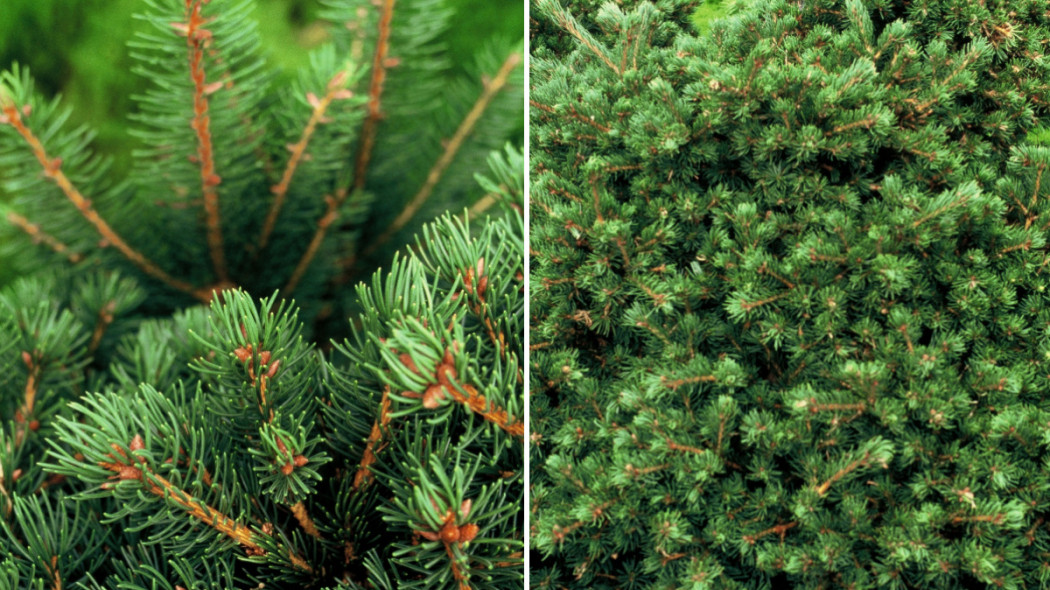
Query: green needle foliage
[790,312]
[174,411]
[219,448]
[240,180]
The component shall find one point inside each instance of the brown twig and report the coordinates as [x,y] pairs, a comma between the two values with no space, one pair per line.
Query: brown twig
[684,448]
[475,283]
[375,442]
[57,585]
[246,354]
[778,530]
[823,488]
[570,27]
[375,93]
[196,37]
[1035,194]
[105,318]
[597,205]
[465,128]
[330,216]
[23,417]
[280,190]
[996,518]
[126,468]
[576,115]
[443,385]
[457,574]
[495,414]
[39,236]
[748,306]
[940,210]
[453,536]
[687,381]
[299,510]
[53,171]
[482,205]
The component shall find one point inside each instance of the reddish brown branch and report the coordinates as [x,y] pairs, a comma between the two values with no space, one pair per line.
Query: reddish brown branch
[57,584]
[246,354]
[747,306]
[453,536]
[375,442]
[40,237]
[330,216]
[576,115]
[636,472]
[675,384]
[53,171]
[564,22]
[299,510]
[280,190]
[996,518]
[597,205]
[1035,195]
[24,414]
[126,467]
[684,448]
[443,386]
[823,488]
[483,204]
[375,93]
[457,574]
[475,283]
[778,530]
[105,318]
[466,127]
[196,38]
[939,211]
[495,414]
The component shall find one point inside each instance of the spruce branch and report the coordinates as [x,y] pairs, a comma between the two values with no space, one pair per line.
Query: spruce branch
[126,468]
[225,445]
[301,515]
[23,416]
[132,467]
[40,236]
[104,319]
[490,89]
[779,530]
[572,113]
[380,63]
[52,168]
[482,205]
[468,395]
[332,203]
[335,90]
[197,37]
[567,22]
[363,476]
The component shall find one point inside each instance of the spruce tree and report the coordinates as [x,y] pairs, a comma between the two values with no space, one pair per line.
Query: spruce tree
[790,322]
[173,413]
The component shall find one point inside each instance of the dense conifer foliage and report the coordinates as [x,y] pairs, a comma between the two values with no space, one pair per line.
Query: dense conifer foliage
[173,414]
[790,317]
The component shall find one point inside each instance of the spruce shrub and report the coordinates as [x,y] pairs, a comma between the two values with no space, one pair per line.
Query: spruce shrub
[789,284]
[173,411]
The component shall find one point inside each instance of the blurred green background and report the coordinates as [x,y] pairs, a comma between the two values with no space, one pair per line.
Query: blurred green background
[78,48]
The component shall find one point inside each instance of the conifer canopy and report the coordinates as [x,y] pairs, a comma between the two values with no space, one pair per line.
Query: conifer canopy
[175,412]
[790,320]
